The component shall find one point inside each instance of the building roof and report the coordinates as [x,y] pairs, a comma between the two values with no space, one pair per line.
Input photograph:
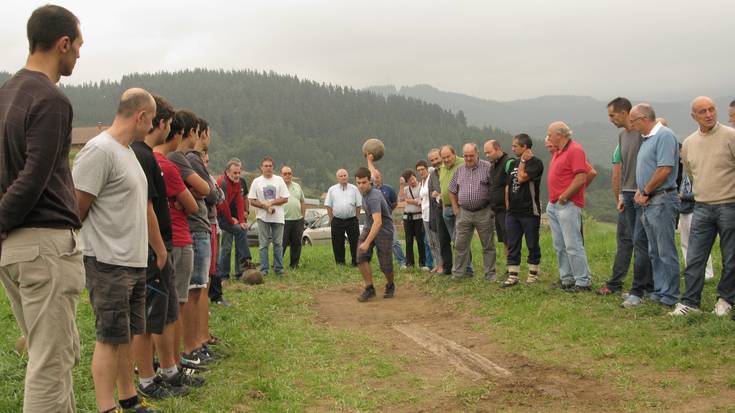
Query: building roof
[80,136]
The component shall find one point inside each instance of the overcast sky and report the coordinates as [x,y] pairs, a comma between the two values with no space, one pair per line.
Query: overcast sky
[502,50]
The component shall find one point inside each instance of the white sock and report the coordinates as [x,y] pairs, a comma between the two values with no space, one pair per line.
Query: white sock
[145,382]
[169,372]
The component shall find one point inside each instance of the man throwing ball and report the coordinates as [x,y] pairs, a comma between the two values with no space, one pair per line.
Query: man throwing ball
[378,232]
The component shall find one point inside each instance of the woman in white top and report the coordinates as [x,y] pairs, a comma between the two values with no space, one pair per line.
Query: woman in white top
[413,223]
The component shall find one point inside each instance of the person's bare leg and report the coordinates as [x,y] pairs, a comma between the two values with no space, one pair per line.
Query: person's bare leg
[366,272]
[143,350]
[191,321]
[125,364]
[104,373]
[178,334]
[204,316]
[165,344]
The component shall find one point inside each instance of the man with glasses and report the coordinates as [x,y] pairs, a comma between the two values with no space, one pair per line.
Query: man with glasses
[656,170]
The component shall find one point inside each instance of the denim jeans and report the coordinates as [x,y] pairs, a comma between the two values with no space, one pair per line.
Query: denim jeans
[631,239]
[427,247]
[709,221]
[242,251]
[450,221]
[659,221]
[268,231]
[202,255]
[565,222]
[397,249]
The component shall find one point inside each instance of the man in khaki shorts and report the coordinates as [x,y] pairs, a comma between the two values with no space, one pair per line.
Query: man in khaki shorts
[40,264]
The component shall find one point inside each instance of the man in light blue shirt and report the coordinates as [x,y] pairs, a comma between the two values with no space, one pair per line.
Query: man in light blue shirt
[343,203]
[656,170]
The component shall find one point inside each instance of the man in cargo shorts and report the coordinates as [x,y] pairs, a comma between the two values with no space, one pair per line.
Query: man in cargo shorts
[378,232]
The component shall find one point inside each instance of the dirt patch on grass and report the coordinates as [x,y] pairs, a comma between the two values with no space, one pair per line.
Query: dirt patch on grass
[457,367]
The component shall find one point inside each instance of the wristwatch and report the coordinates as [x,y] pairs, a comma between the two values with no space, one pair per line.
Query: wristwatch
[646,194]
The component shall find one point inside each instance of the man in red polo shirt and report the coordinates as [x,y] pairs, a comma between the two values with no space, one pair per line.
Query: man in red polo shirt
[566,181]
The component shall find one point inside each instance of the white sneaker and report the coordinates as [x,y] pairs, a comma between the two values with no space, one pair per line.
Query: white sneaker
[722,308]
[683,309]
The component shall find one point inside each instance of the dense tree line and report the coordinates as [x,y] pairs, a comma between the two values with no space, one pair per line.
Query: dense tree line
[314,127]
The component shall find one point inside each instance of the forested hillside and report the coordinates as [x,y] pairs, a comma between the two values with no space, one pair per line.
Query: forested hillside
[316,128]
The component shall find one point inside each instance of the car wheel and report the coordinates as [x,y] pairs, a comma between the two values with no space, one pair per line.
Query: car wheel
[306,241]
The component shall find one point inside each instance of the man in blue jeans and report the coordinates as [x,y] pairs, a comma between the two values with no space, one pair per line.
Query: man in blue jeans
[656,169]
[269,193]
[707,155]
[232,219]
[566,180]
[630,233]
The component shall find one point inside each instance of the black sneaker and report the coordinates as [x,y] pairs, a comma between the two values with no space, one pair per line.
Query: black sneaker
[367,293]
[206,355]
[578,289]
[390,290]
[192,361]
[181,379]
[159,390]
[142,407]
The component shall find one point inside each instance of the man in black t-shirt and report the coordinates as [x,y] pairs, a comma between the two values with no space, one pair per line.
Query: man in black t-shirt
[523,217]
[498,179]
[161,301]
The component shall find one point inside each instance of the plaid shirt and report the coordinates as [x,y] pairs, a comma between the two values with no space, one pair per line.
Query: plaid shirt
[472,185]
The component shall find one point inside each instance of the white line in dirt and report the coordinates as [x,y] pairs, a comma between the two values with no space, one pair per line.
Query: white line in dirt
[462,358]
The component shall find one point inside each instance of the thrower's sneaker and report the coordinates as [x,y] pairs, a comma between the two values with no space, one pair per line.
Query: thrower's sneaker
[722,308]
[683,309]
[390,290]
[367,293]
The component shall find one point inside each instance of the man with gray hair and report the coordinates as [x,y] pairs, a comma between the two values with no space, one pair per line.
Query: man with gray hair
[232,218]
[343,202]
[567,177]
[656,170]
[469,193]
[707,156]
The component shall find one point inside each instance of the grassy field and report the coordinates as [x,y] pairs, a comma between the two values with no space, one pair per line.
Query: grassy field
[284,354]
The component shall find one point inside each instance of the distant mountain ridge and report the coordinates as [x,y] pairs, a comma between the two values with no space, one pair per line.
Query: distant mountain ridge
[586,116]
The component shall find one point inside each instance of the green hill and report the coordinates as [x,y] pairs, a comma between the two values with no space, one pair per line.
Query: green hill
[316,128]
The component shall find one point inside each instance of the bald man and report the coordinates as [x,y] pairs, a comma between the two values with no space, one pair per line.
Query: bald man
[469,194]
[566,180]
[657,195]
[107,175]
[708,156]
[343,204]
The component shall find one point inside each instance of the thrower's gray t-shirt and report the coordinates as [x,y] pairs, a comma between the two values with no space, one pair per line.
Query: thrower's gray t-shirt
[116,228]
[630,144]
[373,202]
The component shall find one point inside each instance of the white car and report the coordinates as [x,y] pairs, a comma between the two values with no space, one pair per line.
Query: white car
[320,231]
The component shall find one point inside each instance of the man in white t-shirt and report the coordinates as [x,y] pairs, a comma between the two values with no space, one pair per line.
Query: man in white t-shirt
[112,195]
[268,193]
